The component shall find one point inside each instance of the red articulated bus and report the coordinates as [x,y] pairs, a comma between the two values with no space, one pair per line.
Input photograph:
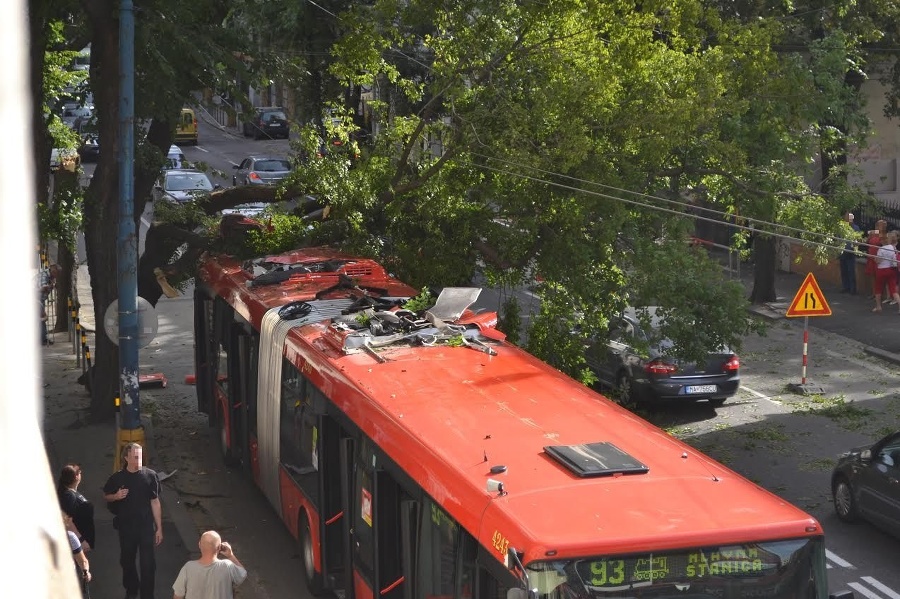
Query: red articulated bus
[417,455]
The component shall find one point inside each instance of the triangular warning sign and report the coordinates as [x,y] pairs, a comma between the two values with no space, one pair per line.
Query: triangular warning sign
[809,301]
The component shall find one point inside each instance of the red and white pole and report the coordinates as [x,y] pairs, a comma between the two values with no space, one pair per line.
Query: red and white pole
[805,345]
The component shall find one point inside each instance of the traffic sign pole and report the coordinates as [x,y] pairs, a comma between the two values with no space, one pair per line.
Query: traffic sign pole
[809,301]
[805,348]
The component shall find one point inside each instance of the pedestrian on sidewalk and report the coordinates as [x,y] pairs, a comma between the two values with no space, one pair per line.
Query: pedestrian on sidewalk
[876,238]
[132,494]
[76,505]
[210,577]
[886,275]
[82,566]
[848,258]
[46,283]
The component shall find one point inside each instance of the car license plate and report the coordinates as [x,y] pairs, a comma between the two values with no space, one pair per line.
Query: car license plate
[690,390]
[274,124]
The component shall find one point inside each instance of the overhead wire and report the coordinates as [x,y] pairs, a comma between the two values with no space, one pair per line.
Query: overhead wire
[839,242]
[684,204]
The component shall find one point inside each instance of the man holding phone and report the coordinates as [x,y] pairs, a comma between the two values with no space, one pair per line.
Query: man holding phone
[132,494]
[210,577]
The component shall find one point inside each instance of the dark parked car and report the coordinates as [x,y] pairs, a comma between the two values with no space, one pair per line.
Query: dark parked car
[89,150]
[865,484]
[650,375]
[261,170]
[267,122]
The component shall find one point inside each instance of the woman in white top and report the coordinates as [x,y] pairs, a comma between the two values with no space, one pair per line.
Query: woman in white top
[886,273]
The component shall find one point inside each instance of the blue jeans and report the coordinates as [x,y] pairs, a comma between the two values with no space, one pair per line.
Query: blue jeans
[848,272]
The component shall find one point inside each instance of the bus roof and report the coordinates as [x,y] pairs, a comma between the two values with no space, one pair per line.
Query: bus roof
[449,414]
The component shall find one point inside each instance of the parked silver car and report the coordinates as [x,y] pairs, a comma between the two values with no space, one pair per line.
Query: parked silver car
[261,170]
[637,365]
[181,186]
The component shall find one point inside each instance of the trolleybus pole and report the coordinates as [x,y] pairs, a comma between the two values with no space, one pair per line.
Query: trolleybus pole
[130,430]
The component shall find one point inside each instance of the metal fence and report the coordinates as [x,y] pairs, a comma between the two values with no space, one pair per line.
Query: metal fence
[866,214]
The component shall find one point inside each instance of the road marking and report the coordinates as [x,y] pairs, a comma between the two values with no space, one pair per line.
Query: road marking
[882,587]
[202,149]
[839,561]
[760,395]
[863,590]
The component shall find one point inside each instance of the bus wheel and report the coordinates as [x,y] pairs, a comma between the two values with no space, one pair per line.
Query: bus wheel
[313,578]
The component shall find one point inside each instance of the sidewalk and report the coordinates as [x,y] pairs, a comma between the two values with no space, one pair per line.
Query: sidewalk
[851,315]
[70,437]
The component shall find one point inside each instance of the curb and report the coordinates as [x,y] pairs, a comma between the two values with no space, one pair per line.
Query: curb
[170,499]
[887,356]
[765,311]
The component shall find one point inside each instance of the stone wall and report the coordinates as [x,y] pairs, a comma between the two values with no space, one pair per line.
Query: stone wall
[801,260]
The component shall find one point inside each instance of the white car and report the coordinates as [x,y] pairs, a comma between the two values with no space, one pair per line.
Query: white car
[75,115]
[175,159]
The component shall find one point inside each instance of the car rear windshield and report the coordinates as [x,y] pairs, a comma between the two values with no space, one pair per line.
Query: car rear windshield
[268,116]
[182,182]
[272,165]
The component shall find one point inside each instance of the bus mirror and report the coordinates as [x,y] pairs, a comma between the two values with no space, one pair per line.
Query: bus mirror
[516,593]
[841,595]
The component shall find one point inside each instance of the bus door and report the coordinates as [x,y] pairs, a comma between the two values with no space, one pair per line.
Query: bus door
[242,367]
[204,350]
[332,512]
[396,516]
[376,505]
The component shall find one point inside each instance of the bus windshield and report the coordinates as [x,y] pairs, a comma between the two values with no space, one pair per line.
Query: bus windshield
[791,569]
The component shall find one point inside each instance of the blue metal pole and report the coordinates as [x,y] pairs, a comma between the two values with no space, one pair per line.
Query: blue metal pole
[130,408]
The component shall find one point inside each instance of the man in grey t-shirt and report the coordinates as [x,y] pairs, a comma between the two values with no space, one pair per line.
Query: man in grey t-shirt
[210,577]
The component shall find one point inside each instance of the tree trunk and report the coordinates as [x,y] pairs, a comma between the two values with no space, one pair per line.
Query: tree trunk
[37,23]
[101,205]
[66,262]
[763,270]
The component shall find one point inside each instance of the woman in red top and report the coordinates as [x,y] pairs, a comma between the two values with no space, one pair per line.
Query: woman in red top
[877,238]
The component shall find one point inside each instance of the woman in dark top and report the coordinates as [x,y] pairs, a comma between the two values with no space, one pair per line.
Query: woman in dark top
[75,504]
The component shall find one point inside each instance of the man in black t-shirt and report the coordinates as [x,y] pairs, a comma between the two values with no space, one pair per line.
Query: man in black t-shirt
[133,495]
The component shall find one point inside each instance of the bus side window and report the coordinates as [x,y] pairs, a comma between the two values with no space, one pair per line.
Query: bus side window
[252,384]
[298,430]
[489,587]
[493,580]
[438,553]
[467,573]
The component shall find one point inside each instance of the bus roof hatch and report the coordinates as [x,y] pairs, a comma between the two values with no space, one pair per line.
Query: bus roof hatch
[595,459]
